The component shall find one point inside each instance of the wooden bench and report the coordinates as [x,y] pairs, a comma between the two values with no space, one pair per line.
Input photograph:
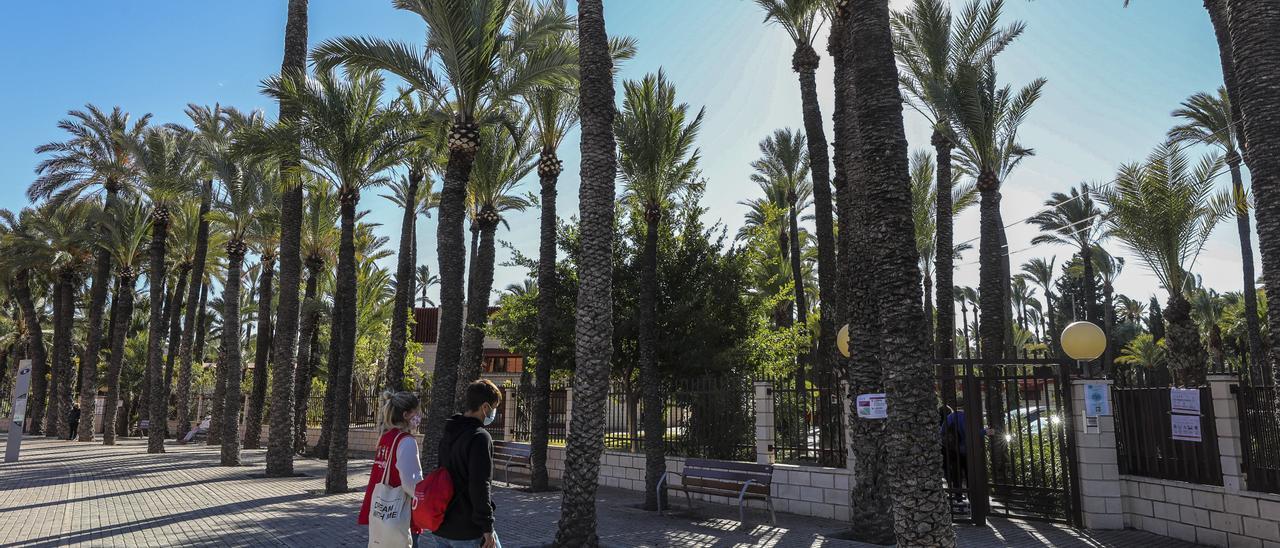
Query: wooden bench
[510,454]
[715,477]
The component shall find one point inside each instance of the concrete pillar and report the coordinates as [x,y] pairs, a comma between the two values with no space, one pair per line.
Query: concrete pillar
[1226,417]
[509,416]
[568,410]
[764,422]
[1097,465]
[846,408]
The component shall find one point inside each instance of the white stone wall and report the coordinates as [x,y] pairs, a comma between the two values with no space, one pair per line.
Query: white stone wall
[1205,514]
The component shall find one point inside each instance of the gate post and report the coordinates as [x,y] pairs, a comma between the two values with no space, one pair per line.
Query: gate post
[1097,465]
[764,422]
[1227,422]
[976,448]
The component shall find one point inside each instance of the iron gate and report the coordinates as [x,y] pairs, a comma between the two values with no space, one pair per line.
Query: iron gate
[1025,463]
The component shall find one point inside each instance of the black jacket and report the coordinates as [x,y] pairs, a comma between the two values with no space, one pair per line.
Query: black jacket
[466,450]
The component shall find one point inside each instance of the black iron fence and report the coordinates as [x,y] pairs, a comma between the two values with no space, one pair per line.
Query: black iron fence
[1154,441]
[557,415]
[364,410]
[807,421]
[1259,437]
[706,417]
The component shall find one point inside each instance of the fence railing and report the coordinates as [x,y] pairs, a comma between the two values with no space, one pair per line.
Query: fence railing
[808,425]
[707,417]
[1144,437]
[557,416]
[1259,437]
[364,411]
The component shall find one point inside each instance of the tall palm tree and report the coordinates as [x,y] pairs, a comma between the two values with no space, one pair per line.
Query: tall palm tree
[1131,310]
[166,162]
[95,155]
[504,158]
[987,119]
[593,337]
[800,18]
[919,503]
[125,239]
[931,47]
[425,280]
[1206,310]
[265,239]
[1164,211]
[1109,268]
[1208,119]
[285,338]
[658,162]
[1074,220]
[1041,271]
[185,236]
[320,239]
[470,42]
[924,202]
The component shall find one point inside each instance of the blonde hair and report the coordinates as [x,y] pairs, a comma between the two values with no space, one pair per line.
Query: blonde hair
[392,406]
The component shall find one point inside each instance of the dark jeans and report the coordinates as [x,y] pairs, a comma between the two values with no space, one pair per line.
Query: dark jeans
[956,466]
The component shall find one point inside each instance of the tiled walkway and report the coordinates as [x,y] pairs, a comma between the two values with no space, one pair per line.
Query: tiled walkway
[65,493]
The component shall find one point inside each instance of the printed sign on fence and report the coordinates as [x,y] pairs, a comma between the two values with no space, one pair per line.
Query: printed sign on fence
[1184,400]
[1097,402]
[1186,427]
[872,406]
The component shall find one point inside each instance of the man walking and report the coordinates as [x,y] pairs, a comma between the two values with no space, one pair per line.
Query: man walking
[466,451]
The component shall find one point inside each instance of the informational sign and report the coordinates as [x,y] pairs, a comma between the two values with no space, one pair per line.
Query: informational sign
[1097,400]
[872,406]
[1186,427]
[18,422]
[1185,401]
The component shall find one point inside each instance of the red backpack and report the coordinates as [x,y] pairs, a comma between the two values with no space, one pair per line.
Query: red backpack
[431,497]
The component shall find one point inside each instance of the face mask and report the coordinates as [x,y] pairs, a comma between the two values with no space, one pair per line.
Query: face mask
[415,420]
[490,416]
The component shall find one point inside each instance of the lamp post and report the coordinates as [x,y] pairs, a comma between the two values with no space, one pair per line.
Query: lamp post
[1083,341]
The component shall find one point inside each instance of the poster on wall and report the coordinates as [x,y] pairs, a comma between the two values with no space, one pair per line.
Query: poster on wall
[1184,400]
[1097,402]
[872,406]
[1186,427]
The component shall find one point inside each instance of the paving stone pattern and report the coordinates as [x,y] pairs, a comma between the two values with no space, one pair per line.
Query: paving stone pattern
[66,493]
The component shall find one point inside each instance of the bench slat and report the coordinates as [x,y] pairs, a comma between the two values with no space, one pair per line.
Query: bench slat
[729,475]
[729,465]
[727,486]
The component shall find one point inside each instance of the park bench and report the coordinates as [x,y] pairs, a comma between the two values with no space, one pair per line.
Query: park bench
[511,454]
[728,479]
[143,426]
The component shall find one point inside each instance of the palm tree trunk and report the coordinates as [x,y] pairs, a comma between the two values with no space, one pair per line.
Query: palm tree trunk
[805,63]
[480,284]
[655,429]
[944,256]
[1257,353]
[196,289]
[549,172]
[1187,357]
[920,510]
[93,336]
[802,306]
[335,480]
[451,250]
[229,367]
[35,336]
[121,310]
[321,450]
[214,437]
[157,404]
[307,338]
[175,329]
[1086,256]
[258,395]
[870,518]
[1218,17]
[285,339]
[593,338]
[400,307]
[1108,322]
[64,308]
[990,285]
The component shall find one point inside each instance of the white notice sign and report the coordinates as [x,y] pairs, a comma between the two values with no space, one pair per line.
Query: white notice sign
[1186,427]
[1184,400]
[872,406]
[1097,401]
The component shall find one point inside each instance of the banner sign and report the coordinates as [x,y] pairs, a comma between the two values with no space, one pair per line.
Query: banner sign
[872,406]
[18,422]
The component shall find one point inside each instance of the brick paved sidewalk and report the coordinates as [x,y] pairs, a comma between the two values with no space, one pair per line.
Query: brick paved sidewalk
[66,493]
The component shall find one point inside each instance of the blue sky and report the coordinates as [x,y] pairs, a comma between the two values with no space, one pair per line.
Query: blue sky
[1114,74]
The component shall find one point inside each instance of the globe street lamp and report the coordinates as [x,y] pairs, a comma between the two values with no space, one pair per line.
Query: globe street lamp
[1083,341]
[842,340]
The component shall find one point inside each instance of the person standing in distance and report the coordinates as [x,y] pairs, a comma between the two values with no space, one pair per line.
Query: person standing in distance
[466,451]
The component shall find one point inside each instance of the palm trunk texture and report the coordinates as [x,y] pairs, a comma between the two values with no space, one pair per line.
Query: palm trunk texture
[306,338]
[479,286]
[196,289]
[93,336]
[121,310]
[157,404]
[39,359]
[655,451]
[403,299]
[335,480]
[229,367]
[258,394]
[805,63]
[547,293]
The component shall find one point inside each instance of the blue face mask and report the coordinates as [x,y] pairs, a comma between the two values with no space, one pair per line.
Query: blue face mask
[490,416]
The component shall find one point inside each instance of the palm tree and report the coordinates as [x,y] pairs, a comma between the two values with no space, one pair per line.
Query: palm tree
[125,239]
[1074,220]
[1131,310]
[265,239]
[503,159]
[1163,211]
[320,239]
[1206,310]
[658,162]
[95,155]
[166,163]
[924,200]
[1144,351]
[919,504]
[1040,271]
[931,48]
[593,337]
[1209,120]
[185,235]
[1109,268]
[285,339]
[800,19]
[425,280]
[474,51]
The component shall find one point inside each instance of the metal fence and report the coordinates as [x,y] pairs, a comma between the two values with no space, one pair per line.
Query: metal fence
[1259,437]
[705,417]
[808,425]
[364,410]
[557,416]
[1144,437]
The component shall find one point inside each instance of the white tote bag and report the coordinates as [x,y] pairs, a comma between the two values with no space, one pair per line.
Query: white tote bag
[389,511]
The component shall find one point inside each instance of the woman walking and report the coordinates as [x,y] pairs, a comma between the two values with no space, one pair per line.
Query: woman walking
[396,471]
